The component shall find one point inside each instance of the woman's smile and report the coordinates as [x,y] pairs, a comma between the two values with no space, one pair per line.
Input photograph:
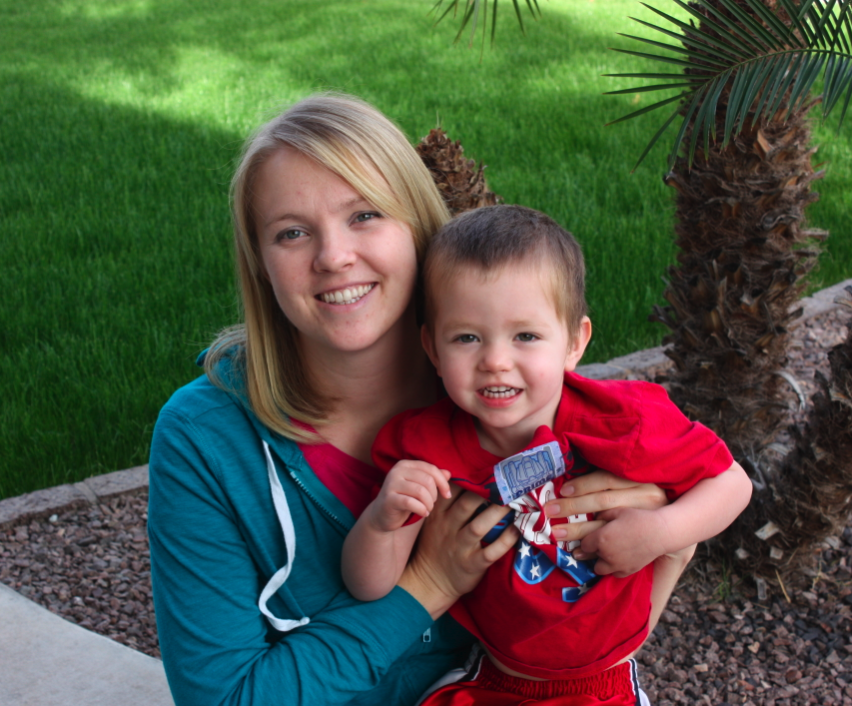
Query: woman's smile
[348,295]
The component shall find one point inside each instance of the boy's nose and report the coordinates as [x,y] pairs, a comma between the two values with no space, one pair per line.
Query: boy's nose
[495,359]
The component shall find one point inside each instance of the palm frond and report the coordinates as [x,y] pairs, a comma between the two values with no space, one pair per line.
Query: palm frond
[472,11]
[766,64]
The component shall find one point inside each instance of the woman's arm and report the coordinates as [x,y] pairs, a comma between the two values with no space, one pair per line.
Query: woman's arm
[214,543]
[667,570]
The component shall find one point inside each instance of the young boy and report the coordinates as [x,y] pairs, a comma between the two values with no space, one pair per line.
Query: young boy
[505,328]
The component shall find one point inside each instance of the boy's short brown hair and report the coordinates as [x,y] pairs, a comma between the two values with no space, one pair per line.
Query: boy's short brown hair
[492,237]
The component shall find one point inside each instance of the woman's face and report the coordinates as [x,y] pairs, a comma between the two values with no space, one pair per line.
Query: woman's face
[343,273]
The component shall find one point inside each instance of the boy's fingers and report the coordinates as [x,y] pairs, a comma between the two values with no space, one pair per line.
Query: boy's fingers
[443,481]
[421,493]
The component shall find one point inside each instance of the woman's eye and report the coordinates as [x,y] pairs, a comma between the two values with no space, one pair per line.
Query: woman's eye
[467,338]
[526,337]
[367,216]
[290,234]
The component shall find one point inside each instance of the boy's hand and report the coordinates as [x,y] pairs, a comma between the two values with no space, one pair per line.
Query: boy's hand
[411,487]
[619,551]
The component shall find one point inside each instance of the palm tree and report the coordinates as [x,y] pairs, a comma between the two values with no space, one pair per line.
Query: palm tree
[741,167]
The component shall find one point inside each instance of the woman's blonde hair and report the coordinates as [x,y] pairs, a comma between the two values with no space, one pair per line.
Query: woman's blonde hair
[363,147]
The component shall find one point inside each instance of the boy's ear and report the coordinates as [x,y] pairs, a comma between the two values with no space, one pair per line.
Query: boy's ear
[581,339]
[429,346]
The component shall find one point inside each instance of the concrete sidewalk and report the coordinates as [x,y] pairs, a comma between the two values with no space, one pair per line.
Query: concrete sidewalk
[47,661]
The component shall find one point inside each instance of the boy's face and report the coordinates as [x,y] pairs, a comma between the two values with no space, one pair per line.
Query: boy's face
[501,349]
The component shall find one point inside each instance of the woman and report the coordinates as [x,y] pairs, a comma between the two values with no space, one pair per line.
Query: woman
[259,468]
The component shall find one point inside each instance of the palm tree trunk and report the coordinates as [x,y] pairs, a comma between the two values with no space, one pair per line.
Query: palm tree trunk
[745,254]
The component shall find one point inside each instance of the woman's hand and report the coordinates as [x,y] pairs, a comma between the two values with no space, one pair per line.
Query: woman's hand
[602,493]
[449,559]
[608,496]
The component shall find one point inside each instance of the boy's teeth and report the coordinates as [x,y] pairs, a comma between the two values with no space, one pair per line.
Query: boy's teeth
[350,295]
[501,391]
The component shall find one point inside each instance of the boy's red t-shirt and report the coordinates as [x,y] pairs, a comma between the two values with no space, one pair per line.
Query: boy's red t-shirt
[536,610]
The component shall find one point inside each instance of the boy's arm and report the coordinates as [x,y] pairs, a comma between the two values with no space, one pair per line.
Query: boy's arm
[377,548]
[667,570]
[700,513]
[373,560]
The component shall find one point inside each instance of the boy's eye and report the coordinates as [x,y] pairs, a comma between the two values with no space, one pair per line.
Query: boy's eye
[526,337]
[467,338]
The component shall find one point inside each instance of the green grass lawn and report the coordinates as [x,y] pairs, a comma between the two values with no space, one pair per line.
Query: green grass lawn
[119,123]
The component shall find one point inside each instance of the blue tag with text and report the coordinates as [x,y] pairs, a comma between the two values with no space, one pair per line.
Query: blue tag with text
[526,471]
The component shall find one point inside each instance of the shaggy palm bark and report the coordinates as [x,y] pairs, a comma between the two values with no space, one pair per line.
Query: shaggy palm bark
[741,268]
[745,253]
[460,181]
[810,496]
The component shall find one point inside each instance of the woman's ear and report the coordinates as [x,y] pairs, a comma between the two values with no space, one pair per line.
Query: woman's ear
[578,345]
[428,343]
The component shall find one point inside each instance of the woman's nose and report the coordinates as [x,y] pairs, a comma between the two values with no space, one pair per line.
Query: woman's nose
[336,251]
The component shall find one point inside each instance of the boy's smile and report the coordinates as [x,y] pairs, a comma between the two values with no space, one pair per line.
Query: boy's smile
[502,350]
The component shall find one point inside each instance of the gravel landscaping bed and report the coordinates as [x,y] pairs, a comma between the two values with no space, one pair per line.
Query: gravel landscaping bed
[718,642]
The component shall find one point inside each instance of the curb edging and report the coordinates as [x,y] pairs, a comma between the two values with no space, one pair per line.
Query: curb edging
[92,490]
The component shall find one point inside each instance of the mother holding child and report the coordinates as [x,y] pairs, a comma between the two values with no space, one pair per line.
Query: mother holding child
[260,468]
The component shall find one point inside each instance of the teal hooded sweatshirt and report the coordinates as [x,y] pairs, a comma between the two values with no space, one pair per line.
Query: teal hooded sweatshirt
[216,541]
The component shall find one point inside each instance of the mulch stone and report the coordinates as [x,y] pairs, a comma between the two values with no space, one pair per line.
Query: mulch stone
[91,566]
[717,642]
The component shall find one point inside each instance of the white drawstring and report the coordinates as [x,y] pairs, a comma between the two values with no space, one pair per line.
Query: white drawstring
[280,576]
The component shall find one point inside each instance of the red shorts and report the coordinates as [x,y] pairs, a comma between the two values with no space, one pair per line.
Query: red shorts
[485,685]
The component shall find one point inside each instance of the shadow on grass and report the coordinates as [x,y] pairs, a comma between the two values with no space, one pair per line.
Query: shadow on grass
[117,270]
